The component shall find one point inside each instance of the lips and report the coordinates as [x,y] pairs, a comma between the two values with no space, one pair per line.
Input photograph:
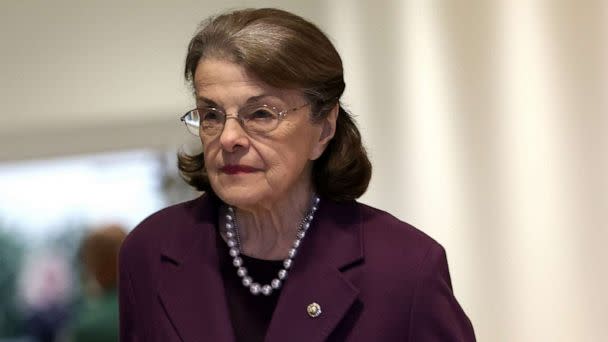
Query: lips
[234,169]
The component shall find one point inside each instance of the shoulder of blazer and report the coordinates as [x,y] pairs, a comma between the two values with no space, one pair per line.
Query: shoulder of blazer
[168,229]
[388,238]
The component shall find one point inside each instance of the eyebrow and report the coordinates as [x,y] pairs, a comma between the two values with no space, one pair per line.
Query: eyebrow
[250,100]
[207,101]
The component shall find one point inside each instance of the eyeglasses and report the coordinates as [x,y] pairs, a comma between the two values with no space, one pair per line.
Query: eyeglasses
[210,121]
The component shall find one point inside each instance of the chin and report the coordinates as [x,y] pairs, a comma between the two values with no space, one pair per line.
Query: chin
[243,191]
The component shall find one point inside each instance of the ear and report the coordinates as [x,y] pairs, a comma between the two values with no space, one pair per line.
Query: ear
[328,130]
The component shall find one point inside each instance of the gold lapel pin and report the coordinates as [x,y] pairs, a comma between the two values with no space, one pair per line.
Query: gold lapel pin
[314,310]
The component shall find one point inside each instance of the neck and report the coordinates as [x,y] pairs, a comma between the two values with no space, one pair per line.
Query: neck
[268,232]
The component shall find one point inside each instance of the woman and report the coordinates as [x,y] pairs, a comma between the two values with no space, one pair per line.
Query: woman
[277,249]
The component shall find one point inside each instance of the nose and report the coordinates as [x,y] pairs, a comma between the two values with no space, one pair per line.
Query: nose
[233,136]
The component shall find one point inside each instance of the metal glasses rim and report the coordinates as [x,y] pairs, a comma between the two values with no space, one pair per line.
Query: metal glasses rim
[280,114]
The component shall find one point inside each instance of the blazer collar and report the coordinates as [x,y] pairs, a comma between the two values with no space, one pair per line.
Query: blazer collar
[191,288]
[332,244]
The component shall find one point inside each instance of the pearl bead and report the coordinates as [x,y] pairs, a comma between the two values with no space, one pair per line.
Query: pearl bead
[266,290]
[234,251]
[237,262]
[292,253]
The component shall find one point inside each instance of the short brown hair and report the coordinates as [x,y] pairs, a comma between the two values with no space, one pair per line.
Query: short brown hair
[99,254]
[285,51]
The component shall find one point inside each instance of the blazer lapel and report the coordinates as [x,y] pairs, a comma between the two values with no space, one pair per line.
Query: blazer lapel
[332,243]
[191,288]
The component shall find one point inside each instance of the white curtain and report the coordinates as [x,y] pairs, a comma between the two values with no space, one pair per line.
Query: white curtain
[488,129]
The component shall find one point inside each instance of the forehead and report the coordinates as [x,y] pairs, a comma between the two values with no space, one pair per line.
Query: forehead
[223,80]
[211,72]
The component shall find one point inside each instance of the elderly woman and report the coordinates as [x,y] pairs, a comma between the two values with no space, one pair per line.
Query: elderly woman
[277,249]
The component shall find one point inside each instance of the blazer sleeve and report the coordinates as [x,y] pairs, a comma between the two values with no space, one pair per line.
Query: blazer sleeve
[436,314]
[126,303]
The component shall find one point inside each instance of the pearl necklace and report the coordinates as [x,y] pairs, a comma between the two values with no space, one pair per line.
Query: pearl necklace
[234,244]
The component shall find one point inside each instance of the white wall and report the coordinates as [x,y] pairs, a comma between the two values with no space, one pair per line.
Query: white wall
[82,76]
[486,123]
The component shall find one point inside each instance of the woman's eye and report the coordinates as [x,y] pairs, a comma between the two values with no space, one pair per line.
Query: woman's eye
[210,115]
[261,114]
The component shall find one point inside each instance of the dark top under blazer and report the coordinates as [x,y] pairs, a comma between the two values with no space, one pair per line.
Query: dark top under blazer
[376,279]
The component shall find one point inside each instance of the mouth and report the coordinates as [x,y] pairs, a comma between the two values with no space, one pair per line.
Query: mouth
[235,169]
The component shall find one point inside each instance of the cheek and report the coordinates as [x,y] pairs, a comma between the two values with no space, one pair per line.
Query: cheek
[298,140]
[210,156]
[284,161]
[210,151]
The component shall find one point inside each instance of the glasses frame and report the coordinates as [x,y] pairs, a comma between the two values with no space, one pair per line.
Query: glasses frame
[196,130]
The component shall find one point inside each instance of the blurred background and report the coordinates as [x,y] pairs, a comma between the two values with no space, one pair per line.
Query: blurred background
[486,122]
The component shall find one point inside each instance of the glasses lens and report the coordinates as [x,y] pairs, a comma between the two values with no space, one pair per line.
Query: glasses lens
[191,119]
[211,120]
[260,119]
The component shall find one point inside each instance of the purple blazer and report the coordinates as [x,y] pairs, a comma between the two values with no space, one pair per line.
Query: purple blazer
[376,279]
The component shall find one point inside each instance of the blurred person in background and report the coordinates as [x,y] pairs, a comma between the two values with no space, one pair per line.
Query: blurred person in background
[45,288]
[278,248]
[96,320]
